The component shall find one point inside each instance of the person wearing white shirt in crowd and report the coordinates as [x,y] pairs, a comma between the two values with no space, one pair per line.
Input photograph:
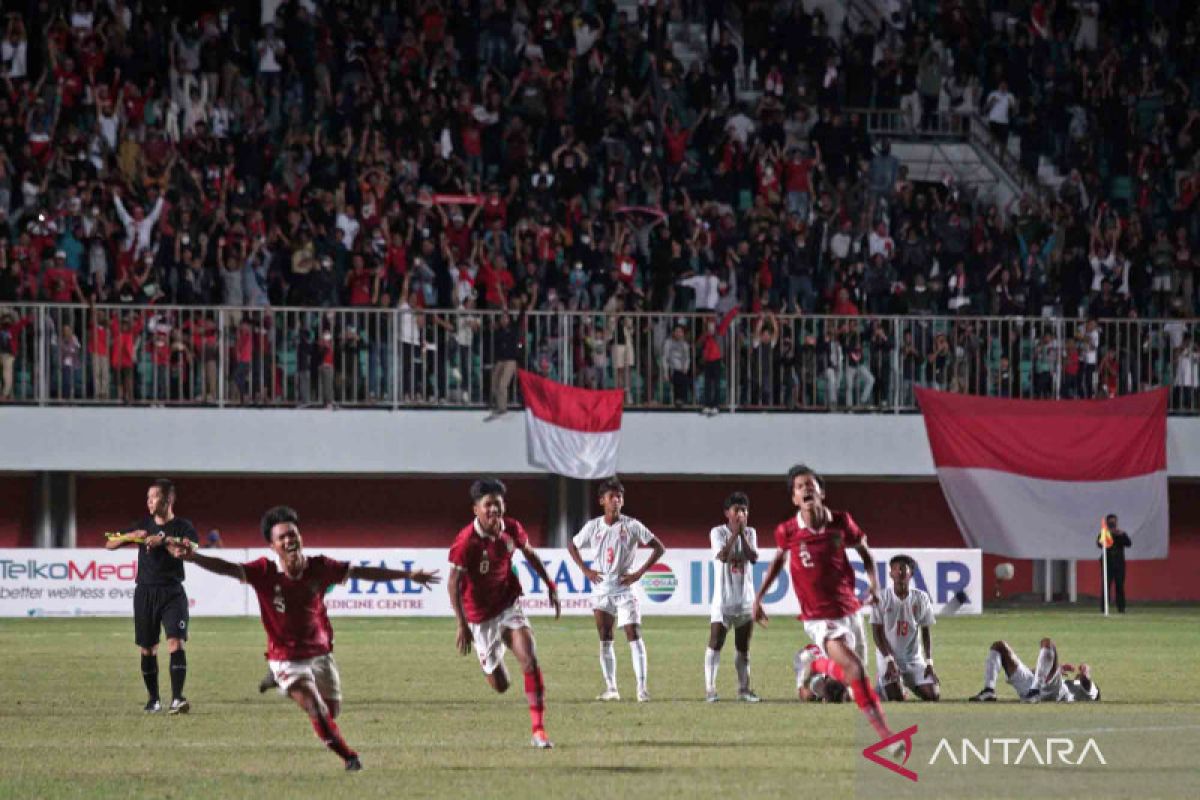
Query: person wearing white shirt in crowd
[1187,375]
[842,243]
[139,227]
[614,539]
[14,51]
[347,223]
[901,612]
[734,548]
[1000,107]
[880,243]
[707,287]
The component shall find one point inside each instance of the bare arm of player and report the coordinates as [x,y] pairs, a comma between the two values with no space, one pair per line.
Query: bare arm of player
[657,550]
[927,643]
[588,572]
[540,568]
[186,551]
[115,541]
[760,614]
[423,577]
[462,637]
[891,674]
[748,549]
[868,560]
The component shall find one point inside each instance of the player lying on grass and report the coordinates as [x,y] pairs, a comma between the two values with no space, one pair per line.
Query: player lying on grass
[819,679]
[486,597]
[291,602]
[901,610]
[1050,682]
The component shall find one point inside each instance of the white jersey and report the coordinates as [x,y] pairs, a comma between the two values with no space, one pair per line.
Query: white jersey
[733,589]
[615,547]
[901,620]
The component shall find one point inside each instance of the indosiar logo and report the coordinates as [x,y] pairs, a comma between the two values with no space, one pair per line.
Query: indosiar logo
[659,583]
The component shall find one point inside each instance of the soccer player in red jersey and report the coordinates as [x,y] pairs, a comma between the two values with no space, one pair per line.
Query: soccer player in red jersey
[291,601]
[815,542]
[486,597]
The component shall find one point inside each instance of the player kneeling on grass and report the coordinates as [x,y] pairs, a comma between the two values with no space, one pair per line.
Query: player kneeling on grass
[486,597]
[1050,682]
[735,549]
[614,538]
[901,610]
[291,602]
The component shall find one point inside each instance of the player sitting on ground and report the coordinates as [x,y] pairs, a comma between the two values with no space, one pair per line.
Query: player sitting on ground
[486,597]
[1050,682]
[901,610]
[819,679]
[291,602]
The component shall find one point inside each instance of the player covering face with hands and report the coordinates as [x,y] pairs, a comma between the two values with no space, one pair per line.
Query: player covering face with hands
[291,601]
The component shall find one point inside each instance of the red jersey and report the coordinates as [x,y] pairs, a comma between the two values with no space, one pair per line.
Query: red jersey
[293,610]
[821,574]
[485,563]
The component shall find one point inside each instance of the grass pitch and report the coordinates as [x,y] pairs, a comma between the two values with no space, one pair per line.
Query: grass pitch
[427,725]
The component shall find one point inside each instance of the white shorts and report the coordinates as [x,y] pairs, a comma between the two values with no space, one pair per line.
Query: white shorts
[1161,283]
[731,617]
[322,671]
[912,673]
[622,605]
[489,635]
[1053,691]
[849,629]
[622,356]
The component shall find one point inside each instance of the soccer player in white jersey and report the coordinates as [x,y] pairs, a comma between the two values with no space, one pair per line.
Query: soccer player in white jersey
[1049,682]
[614,539]
[735,550]
[902,610]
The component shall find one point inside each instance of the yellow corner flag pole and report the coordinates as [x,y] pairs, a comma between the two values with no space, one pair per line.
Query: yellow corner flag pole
[1105,543]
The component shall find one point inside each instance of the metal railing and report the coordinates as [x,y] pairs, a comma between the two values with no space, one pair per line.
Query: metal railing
[405,358]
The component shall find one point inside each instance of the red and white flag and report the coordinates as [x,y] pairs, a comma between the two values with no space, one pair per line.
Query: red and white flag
[1029,478]
[569,431]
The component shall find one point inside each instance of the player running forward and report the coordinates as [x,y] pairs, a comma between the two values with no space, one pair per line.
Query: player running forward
[291,601]
[1049,682]
[486,597]
[159,600]
[615,537]
[815,541]
[734,549]
[901,610]
[818,678]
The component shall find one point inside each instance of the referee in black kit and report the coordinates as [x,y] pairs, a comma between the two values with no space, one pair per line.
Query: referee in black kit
[159,600]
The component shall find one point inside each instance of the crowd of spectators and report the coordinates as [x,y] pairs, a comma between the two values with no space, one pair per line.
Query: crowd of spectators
[555,156]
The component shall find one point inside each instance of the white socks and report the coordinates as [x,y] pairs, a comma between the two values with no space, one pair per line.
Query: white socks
[712,660]
[991,670]
[741,662]
[637,649]
[608,665]
[1045,664]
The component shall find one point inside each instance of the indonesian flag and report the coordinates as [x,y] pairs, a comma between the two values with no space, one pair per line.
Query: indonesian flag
[1028,478]
[569,431]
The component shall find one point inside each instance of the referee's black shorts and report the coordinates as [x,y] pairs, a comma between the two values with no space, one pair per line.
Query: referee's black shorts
[159,607]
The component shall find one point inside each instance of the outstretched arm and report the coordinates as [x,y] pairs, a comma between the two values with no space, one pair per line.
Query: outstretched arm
[186,551]
[423,577]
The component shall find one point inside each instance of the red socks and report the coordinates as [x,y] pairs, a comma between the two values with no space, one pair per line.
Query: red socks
[535,692]
[868,703]
[327,731]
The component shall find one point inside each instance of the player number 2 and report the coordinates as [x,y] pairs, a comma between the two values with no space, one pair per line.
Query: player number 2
[806,559]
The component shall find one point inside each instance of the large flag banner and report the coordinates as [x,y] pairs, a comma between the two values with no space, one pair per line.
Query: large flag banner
[1029,478]
[569,431]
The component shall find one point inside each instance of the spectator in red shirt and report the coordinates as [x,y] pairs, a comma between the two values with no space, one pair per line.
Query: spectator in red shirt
[710,350]
[99,350]
[124,355]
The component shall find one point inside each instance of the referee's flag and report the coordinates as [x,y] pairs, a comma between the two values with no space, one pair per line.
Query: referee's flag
[569,431]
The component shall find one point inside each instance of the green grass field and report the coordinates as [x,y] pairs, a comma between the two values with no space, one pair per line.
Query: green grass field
[427,725]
